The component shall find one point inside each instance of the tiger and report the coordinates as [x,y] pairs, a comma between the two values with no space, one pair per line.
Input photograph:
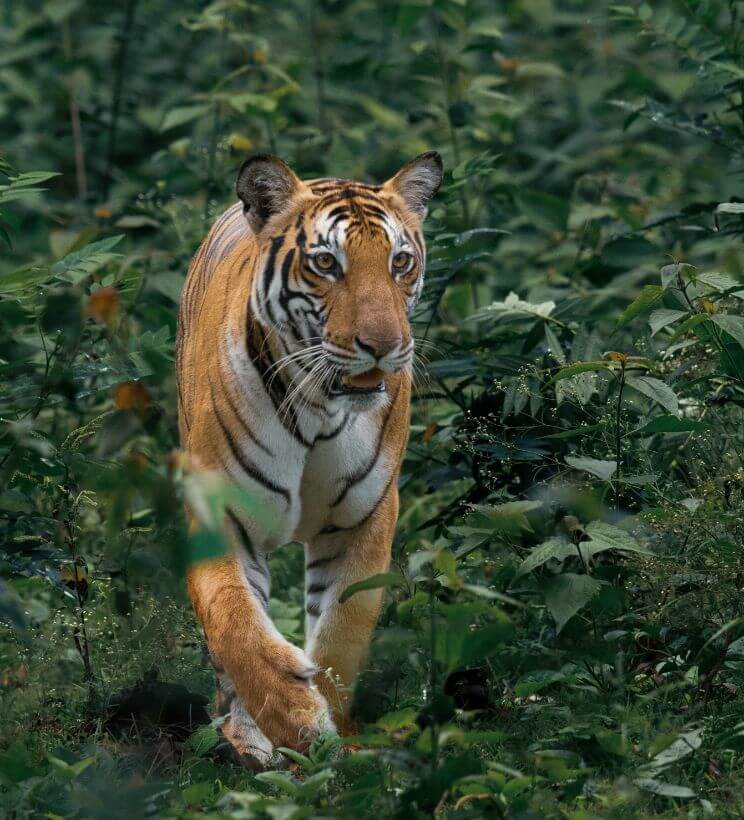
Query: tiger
[294,363]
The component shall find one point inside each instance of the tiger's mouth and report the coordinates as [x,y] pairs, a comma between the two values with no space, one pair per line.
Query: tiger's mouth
[360,384]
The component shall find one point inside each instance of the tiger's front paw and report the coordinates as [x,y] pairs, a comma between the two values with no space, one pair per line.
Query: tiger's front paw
[295,712]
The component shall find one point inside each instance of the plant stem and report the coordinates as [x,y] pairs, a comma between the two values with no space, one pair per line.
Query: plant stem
[318,67]
[75,124]
[83,647]
[433,675]
[216,122]
[618,436]
[454,139]
[116,94]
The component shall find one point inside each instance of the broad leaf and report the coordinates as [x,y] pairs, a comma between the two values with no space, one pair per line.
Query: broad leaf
[718,281]
[580,367]
[733,325]
[663,317]
[608,537]
[602,468]
[657,390]
[664,789]
[649,295]
[554,548]
[513,308]
[544,210]
[567,594]
[380,581]
[671,424]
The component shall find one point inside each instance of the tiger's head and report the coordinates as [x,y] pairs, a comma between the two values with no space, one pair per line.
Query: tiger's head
[340,268]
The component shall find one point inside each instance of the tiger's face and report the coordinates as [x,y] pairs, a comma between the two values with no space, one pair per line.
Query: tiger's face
[340,270]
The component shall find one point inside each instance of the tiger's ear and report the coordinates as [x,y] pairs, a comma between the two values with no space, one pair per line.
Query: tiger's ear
[265,186]
[418,181]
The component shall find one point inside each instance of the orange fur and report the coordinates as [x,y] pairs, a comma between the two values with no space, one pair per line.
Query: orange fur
[334,489]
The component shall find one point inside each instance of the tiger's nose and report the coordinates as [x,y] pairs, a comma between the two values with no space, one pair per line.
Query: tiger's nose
[378,346]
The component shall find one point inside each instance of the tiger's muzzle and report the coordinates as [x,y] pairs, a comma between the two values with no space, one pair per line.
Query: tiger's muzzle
[361,372]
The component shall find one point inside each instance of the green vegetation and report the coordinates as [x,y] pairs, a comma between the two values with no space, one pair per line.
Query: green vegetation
[563,629]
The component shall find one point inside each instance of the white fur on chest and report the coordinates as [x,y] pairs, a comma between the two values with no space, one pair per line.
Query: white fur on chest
[335,482]
[344,477]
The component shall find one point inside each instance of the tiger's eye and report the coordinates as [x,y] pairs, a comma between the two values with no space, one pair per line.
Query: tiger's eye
[325,261]
[401,260]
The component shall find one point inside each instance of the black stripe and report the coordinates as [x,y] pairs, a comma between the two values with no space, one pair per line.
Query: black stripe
[333,433]
[276,244]
[321,562]
[330,530]
[226,704]
[247,542]
[316,589]
[260,593]
[273,382]
[248,467]
[374,509]
[243,533]
[313,609]
[246,429]
[360,475]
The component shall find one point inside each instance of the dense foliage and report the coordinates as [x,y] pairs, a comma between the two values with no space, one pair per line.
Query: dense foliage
[563,630]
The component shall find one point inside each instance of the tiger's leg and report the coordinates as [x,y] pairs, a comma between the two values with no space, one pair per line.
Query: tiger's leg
[338,634]
[271,679]
[253,748]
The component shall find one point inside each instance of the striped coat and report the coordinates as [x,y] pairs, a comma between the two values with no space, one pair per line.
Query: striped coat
[294,355]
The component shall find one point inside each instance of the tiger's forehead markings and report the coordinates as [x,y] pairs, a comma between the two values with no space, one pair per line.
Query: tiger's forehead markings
[348,211]
[324,186]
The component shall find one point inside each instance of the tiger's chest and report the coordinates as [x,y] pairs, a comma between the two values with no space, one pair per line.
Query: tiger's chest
[344,476]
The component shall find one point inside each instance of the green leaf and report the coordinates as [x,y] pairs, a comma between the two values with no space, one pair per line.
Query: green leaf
[544,210]
[508,519]
[663,317]
[486,27]
[718,281]
[383,115]
[513,308]
[11,608]
[535,681]
[580,367]
[204,739]
[284,783]
[296,757]
[554,345]
[62,312]
[394,721]
[649,295]
[608,537]
[684,745]
[733,325]
[86,260]
[730,208]
[656,390]
[664,789]
[602,468]
[478,645]
[567,594]
[555,548]
[671,424]
[379,581]
[180,116]
[602,537]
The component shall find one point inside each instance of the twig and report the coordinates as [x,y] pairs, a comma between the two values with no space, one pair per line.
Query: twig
[117,94]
